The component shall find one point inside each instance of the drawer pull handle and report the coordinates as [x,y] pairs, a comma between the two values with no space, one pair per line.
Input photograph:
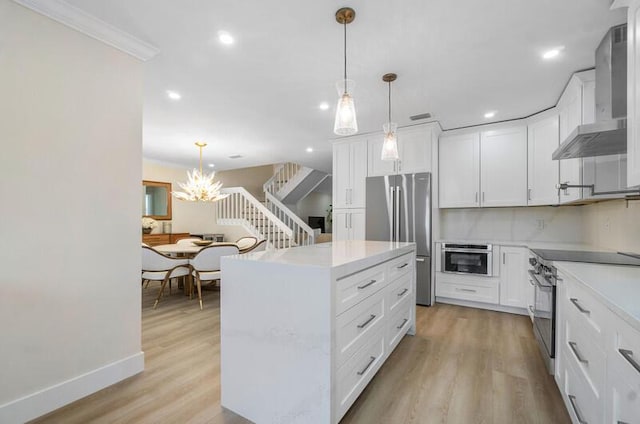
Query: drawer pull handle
[574,348]
[362,371]
[574,405]
[404,321]
[628,355]
[467,290]
[403,265]
[367,285]
[580,308]
[403,292]
[364,324]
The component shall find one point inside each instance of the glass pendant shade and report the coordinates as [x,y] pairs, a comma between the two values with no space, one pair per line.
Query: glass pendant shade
[346,122]
[390,143]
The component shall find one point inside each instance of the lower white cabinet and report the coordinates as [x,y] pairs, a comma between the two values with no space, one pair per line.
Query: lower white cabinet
[514,284]
[348,224]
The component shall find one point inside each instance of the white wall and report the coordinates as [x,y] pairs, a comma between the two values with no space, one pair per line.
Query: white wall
[70,131]
[613,225]
[561,224]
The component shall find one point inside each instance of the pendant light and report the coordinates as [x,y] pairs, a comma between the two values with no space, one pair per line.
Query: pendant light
[390,142]
[199,186]
[345,123]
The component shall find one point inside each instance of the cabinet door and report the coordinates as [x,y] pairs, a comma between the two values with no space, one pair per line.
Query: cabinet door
[633,94]
[544,172]
[459,168]
[513,276]
[340,225]
[503,164]
[357,224]
[341,174]
[358,174]
[415,150]
[570,110]
[377,166]
[606,173]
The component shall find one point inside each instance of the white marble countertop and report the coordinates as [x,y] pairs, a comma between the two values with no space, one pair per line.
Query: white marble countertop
[617,286]
[337,254]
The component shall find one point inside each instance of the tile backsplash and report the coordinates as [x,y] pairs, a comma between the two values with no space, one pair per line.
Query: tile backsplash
[613,225]
[554,224]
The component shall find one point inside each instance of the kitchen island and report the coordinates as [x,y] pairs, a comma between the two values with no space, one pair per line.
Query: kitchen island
[304,330]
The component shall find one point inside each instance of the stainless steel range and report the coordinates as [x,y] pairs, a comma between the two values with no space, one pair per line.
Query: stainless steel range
[545,276]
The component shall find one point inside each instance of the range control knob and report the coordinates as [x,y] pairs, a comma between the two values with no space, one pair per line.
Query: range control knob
[533,261]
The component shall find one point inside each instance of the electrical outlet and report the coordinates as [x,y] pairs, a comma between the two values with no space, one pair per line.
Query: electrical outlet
[540,224]
[607,224]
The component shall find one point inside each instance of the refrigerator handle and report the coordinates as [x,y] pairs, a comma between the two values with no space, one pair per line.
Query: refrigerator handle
[393,213]
[397,214]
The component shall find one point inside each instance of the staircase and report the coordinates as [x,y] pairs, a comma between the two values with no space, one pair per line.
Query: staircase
[272,220]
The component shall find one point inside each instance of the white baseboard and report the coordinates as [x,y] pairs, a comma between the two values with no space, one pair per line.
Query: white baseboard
[46,400]
[480,305]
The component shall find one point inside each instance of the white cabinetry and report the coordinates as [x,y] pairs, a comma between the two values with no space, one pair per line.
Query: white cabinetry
[503,165]
[459,165]
[544,172]
[484,169]
[349,173]
[633,94]
[513,276]
[348,224]
[414,150]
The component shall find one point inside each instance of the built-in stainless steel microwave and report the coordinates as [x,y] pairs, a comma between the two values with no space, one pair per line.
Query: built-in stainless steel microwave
[476,259]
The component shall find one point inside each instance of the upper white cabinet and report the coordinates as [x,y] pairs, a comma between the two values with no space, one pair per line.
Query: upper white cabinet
[543,140]
[484,169]
[633,94]
[503,167]
[575,107]
[459,167]
[414,150]
[349,173]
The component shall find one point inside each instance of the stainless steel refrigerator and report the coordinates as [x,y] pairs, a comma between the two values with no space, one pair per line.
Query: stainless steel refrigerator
[399,209]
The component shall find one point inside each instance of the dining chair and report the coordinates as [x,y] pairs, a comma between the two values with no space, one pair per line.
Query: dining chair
[159,267]
[258,247]
[206,264]
[246,243]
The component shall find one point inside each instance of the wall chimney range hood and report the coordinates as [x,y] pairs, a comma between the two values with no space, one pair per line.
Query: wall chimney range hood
[608,135]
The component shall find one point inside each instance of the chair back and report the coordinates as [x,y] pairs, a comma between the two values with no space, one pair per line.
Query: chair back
[261,246]
[188,241]
[208,259]
[246,243]
[152,260]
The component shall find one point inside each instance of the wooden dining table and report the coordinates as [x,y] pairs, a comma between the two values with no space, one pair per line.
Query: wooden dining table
[184,249]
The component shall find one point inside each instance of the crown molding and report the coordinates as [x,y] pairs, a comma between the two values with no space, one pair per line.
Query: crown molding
[78,19]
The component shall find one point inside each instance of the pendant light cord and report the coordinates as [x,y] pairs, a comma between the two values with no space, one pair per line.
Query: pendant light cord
[200,160]
[389,101]
[345,57]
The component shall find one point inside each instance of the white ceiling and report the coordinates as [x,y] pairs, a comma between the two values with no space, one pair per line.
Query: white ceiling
[259,98]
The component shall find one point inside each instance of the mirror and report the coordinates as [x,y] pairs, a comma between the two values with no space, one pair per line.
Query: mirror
[156,200]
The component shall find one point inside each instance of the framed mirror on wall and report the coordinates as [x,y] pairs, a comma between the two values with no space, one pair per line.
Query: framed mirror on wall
[156,200]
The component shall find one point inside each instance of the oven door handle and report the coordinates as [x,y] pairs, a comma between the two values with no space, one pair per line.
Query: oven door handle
[480,251]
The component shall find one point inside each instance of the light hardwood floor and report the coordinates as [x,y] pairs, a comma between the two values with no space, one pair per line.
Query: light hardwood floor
[464,366]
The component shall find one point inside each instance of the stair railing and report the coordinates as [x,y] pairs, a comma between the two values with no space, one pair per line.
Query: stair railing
[241,208]
[302,233]
[283,174]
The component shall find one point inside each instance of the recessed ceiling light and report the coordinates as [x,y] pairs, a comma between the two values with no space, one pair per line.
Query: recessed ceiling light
[324,106]
[173,95]
[225,38]
[490,115]
[211,165]
[550,54]
[309,149]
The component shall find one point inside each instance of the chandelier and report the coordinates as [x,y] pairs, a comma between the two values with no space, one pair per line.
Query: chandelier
[345,123]
[200,187]
[390,141]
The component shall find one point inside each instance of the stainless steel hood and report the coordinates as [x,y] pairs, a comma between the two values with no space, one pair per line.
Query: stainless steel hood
[608,135]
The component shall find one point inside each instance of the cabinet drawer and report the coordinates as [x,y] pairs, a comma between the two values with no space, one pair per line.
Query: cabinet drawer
[356,287]
[355,327]
[582,404]
[623,353]
[400,266]
[590,312]
[584,354]
[472,292]
[356,373]
[398,292]
[399,324]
